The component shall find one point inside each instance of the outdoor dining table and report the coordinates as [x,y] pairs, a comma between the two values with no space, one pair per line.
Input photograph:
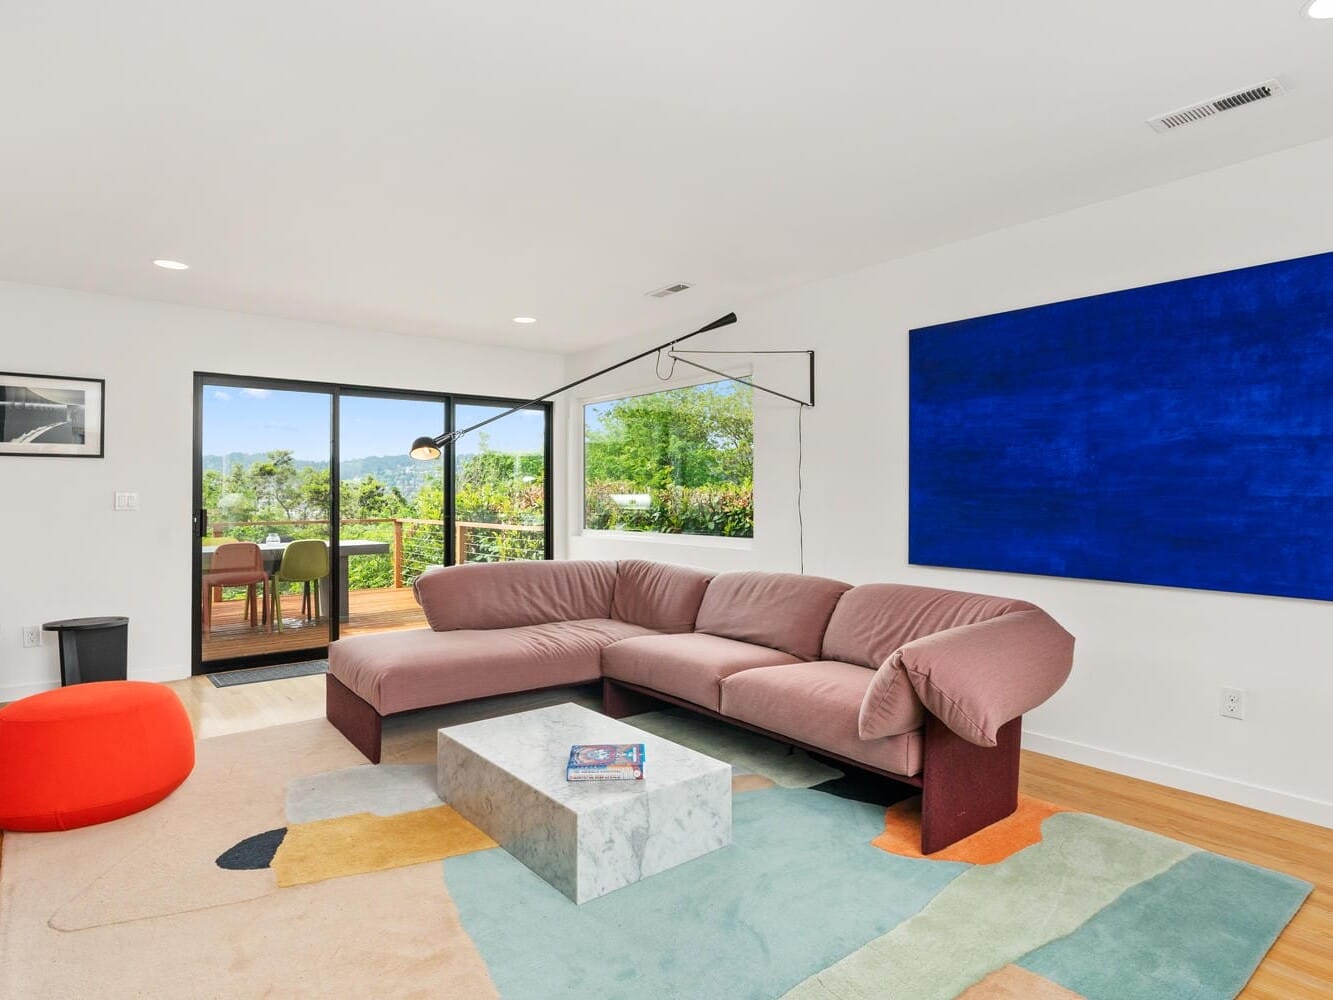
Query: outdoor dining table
[347,547]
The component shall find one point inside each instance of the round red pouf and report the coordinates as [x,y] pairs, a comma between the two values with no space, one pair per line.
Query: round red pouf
[89,753]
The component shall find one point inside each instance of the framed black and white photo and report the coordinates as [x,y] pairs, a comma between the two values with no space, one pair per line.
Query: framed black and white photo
[51,415]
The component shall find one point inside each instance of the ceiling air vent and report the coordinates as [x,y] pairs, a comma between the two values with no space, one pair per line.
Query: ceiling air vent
[1206,109]
[663,292]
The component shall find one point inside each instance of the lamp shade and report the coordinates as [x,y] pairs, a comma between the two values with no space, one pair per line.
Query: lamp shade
[425,449]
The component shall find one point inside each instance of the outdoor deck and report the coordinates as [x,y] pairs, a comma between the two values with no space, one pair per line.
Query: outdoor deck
[378,610]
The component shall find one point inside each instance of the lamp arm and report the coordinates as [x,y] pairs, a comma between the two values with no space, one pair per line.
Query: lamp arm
[448,436]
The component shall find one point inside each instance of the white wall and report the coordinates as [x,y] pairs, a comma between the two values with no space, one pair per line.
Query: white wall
[65,552]
[1150,663]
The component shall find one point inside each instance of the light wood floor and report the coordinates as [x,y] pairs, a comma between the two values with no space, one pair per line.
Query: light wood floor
[1299,967]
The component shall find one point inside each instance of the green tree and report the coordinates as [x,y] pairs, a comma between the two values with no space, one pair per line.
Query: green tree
[697,436]
[691,451]
[276,485]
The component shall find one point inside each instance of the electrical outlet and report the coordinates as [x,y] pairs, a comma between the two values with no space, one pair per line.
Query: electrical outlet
[1233,703]
[32,636]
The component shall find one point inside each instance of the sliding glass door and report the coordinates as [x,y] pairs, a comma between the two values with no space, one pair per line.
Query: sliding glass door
[278,463]
[391,523]
[501,473]
[264,561]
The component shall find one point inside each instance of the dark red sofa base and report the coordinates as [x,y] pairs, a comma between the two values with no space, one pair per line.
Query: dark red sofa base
[363,726]
[964,787]
[354,718]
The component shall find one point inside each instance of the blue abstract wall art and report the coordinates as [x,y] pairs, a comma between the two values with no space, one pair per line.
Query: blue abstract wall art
[1179,434]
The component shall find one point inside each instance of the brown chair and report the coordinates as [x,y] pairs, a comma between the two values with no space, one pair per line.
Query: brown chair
[236,564]
[215,541]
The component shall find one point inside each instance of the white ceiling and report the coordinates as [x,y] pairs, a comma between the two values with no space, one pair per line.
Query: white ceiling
[438,167]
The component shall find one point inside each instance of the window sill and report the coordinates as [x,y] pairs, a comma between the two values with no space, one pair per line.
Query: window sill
[661,538]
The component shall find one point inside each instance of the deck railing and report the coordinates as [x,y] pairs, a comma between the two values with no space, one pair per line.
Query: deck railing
[416,544]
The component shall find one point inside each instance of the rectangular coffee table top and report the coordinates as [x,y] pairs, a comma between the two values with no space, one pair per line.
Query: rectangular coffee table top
[586,838]
[534,747]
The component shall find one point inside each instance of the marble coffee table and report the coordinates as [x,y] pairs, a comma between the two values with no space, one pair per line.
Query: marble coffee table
[507,776]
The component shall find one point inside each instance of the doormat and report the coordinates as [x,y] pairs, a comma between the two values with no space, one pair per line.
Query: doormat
[277,672]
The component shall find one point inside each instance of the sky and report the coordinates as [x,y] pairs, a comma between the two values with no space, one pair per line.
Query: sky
[255,420]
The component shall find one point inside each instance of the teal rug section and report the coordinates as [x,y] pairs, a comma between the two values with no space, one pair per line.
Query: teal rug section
[1197,930]
[799,888]
[744,751]
[993,915]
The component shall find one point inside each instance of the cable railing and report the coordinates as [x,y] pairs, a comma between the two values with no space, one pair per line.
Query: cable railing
[479,541]
[415,544]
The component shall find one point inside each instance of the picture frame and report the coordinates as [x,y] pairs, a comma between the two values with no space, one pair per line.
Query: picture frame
[52,416]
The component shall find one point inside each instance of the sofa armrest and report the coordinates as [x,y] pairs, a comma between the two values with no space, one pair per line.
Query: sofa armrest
[975,678]
[890,706]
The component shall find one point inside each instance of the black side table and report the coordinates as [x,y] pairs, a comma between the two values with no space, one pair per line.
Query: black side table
[91,649]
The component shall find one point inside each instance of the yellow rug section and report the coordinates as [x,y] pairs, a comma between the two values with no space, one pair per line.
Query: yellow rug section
[364,842]
[902,833]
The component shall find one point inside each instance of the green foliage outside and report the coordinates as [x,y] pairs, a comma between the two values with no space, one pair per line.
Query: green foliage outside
[689,451]
[491,487]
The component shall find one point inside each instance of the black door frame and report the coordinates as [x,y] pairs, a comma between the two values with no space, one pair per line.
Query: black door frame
[335,391]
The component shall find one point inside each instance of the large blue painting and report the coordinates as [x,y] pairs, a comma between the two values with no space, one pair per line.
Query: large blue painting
[1179,434]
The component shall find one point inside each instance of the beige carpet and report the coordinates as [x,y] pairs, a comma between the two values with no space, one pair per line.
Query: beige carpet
[137,907]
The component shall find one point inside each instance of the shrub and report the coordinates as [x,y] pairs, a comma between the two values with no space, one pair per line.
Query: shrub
[676,510]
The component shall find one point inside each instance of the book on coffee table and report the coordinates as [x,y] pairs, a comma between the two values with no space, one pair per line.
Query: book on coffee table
[605,762]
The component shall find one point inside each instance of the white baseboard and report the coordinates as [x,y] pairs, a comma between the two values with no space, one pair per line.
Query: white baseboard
[1271,800]
[14,692]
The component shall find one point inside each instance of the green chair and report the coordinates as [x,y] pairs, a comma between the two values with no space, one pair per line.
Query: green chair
[305,562]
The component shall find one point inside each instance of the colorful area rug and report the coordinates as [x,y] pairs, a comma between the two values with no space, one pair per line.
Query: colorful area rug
[287,866]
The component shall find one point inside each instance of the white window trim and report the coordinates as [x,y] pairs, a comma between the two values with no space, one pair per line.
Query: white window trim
[670,538]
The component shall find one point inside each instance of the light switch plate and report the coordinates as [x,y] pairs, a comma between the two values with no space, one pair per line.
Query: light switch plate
[127,501]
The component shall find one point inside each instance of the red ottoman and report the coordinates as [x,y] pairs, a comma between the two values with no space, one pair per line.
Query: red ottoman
[89,753]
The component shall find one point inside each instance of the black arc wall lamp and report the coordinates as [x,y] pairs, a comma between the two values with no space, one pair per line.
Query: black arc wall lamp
[430,448]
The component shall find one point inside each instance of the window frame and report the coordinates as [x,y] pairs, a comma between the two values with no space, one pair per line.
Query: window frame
[579,441]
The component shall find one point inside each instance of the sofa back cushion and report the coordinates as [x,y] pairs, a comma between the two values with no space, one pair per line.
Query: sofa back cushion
[658,596]
[500,595]
[783,611]
[873,620]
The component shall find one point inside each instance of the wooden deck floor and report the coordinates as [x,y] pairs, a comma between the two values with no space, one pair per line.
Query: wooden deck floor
[369,611]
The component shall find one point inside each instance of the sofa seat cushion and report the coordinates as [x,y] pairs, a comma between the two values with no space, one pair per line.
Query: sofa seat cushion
[416,668]
[686,666]
[817,703]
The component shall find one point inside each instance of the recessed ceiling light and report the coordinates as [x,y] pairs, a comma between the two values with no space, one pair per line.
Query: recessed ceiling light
[172,265]
[1320,8]
[525,319]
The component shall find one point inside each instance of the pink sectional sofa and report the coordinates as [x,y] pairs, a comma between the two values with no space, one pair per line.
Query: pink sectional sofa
[924,686]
